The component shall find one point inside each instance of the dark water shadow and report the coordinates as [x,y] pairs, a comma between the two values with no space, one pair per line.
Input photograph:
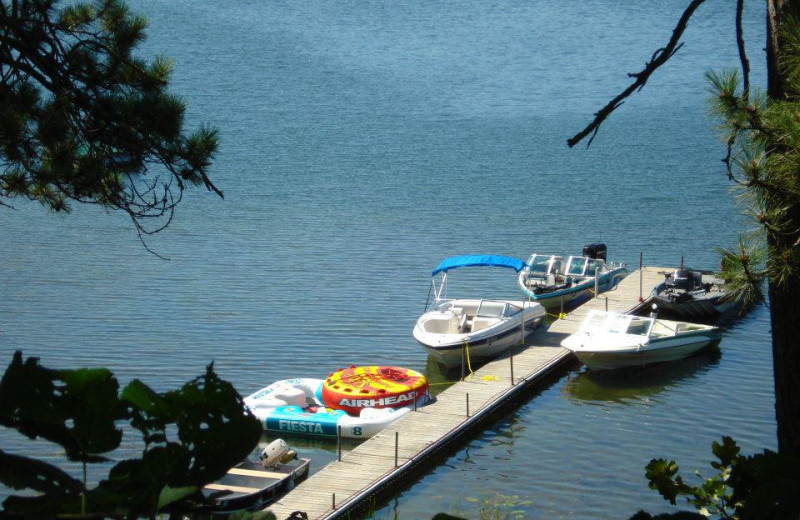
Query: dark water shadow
[628,386]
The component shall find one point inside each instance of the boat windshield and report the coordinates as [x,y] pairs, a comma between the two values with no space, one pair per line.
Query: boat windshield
[576,265]
[612,323]
[544,264]
[496,309]
[597,266]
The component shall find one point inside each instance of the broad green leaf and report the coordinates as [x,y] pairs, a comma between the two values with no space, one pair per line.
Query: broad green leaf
[77,409]
[169,495]
[18,472]
[725,452]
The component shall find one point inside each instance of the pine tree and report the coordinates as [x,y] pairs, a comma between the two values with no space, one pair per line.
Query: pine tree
[84,120]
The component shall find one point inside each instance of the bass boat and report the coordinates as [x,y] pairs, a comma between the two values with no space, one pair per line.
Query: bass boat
[692,295]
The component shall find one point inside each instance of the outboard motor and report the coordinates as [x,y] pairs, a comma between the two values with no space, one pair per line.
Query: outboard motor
[683,279]
[277,452]
[595,251]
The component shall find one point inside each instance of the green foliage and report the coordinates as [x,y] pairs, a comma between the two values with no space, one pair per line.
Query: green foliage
[763,140]
[77,409]
[83,411]
[765,486]
[83,119]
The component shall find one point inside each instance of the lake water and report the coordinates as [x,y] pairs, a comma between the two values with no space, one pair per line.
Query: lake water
[361,143]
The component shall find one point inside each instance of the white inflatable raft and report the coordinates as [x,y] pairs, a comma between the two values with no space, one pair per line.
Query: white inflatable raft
[294,406]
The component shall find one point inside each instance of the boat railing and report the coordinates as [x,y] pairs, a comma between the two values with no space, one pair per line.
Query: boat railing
[442,304]
[662,325]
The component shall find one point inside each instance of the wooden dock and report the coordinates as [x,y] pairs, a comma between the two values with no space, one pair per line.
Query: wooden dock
[409,443]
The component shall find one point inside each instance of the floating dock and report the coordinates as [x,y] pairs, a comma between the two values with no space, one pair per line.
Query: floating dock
[409,444]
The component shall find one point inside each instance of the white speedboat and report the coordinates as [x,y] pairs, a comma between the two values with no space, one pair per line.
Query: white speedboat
[454,329]
[608,340]
[556,284]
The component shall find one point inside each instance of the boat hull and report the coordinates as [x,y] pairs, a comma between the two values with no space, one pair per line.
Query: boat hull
[576,295]
[655,352]
[249,486]
[711,310]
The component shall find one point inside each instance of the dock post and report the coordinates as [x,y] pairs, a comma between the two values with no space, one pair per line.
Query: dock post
[396,443]
[333,501]
[596,284]
[339,442]
[606,303]
[467,405]
[641,275]
[415,400]
[512,366]
[463,355]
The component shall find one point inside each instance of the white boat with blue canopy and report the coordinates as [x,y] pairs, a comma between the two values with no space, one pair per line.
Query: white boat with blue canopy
[453,329]
[557,284]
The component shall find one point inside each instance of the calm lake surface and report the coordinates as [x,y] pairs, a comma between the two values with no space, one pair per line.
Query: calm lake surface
[361,143]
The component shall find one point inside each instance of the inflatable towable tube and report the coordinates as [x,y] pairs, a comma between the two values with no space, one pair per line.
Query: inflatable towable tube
[355,388]
[295,406]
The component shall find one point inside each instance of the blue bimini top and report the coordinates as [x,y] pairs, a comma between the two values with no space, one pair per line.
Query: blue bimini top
[454,262]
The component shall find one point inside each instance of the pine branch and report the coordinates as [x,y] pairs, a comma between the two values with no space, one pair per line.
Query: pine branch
[740,46]
[660,56]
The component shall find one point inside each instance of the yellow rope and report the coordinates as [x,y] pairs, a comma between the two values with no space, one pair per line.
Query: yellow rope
[469,365]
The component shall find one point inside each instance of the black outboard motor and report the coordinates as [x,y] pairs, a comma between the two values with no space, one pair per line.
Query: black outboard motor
[683,279]
[595,251]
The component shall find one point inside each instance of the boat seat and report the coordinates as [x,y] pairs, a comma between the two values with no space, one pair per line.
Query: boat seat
[232,489]
[462,324]
[686,327]
[482,323]
[640,329]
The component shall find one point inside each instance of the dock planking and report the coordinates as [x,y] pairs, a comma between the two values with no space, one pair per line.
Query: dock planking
[405,445]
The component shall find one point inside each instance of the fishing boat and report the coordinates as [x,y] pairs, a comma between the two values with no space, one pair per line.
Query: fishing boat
[255,484]
[608,340]
[691,295]
[556,284]
[356,406]
[477,329]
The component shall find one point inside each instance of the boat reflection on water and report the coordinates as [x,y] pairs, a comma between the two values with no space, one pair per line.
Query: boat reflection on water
[440,377]
[630,385]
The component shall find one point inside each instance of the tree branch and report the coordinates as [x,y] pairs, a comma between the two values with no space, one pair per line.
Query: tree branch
[740,45]
[659,57]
